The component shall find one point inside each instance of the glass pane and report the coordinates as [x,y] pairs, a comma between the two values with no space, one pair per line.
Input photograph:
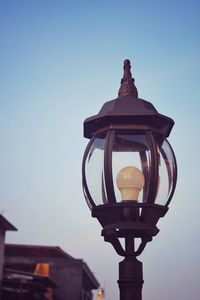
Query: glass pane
[166,173]
[130,163]
[94,171]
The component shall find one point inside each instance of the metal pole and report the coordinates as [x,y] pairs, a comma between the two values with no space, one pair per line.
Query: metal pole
[130,279]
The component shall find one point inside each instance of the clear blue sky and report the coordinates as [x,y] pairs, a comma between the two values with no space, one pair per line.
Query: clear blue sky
[59,62]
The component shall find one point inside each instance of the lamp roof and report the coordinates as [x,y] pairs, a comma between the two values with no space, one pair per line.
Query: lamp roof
[128,110]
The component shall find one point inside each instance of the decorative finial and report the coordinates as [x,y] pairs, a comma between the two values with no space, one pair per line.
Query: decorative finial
[127,87]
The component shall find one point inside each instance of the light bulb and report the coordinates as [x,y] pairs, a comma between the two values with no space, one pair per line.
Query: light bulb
[130,181]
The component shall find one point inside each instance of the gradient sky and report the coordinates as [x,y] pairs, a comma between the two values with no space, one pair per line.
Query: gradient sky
[59,62]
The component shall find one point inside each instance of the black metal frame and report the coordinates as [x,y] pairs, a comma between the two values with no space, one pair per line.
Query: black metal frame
[152,186]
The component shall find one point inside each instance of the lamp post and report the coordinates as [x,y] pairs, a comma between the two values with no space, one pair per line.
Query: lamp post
[129,176]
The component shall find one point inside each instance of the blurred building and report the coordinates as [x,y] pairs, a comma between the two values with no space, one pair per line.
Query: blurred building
[72,277]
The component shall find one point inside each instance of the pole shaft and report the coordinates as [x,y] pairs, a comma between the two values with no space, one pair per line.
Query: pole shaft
[130,279]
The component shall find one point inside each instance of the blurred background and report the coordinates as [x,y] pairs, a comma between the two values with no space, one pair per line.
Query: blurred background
[60,61]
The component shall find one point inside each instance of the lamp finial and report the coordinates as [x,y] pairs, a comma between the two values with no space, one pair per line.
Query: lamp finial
[127,87]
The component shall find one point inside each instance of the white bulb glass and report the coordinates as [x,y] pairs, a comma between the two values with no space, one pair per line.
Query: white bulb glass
[130,181]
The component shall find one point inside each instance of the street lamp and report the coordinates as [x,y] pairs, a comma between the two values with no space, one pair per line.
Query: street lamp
[129,176]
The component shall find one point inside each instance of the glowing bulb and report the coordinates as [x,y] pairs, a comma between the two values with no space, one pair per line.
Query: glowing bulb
[130,181]
[100,294]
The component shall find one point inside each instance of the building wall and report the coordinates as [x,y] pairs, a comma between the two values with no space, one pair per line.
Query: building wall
[68,277]
[2,247]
